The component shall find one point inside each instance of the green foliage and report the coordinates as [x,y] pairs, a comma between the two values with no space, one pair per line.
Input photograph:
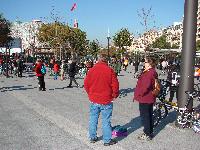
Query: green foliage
[94,48]
[161,43]
[175,46]
[5,37]
[122,38]
[198,45]
[58,34]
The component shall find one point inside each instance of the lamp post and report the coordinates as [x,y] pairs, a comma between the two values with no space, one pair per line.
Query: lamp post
[188,52]
[6,62]
[108,38]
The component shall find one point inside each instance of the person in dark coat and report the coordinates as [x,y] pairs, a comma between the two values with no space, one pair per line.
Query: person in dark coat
[136,66]
[20,67]
[72,72]
[173,78]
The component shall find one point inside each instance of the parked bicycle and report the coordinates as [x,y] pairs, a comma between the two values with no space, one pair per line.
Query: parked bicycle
[187,118]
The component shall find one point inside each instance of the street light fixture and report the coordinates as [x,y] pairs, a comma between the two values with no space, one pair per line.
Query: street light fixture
[108,38]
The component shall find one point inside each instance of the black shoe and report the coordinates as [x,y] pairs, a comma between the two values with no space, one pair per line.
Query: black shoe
[112,142]
[69,86]
[43,89]
[94,140]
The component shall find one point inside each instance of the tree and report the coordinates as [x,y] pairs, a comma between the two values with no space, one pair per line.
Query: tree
[94,48]
[146,17]
[175,46]
[78,41]
[198,45]
[161,43]
[5,31]
[61,35]
[122,38]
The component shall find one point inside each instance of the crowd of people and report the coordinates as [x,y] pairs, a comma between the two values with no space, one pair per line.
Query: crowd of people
[102,86]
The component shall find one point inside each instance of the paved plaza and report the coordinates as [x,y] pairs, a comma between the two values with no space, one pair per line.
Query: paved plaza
[57,119]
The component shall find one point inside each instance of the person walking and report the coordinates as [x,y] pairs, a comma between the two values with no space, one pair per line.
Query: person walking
[72,72]
[136,64]
[144,95]
[102,87]
[40,75]
[56,69]
[20,66]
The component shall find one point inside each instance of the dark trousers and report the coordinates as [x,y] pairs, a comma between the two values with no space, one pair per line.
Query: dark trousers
[41,83]
[20,72]
[136,69]
[74,80]
[146,114]
[172,91]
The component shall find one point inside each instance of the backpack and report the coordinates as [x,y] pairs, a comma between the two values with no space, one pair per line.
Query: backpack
[157,88]
[43,70]
[119,131]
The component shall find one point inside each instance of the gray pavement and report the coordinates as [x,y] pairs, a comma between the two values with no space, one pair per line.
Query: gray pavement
[57,119]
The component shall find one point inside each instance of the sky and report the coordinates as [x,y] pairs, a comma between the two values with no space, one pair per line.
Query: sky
[95,17]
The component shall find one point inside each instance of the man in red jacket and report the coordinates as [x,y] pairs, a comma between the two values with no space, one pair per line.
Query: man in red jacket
[39,75]
[102,87]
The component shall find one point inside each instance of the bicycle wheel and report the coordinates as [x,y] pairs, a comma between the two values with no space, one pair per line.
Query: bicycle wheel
[156,115]
[164,111]
[196,87]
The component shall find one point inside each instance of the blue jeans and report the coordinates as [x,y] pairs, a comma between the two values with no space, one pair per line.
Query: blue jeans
[106,111]
[55,76]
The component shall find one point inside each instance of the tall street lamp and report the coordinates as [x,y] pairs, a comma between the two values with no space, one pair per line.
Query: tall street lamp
[108,38]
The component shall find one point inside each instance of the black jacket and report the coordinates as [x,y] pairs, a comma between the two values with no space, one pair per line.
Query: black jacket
[72,69]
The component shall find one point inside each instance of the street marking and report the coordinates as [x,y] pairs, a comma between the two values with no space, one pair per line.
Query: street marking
[63,123]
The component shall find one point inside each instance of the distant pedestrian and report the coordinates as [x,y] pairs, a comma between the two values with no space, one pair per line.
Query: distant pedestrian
[72,72]
[102,87]
[125,64]
[136,64]
[62,70]
[20,67]
[173,78]
[144,95]
[40,75]
[56,69]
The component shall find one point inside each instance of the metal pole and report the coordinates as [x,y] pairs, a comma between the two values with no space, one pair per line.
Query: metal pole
[6,63]
[60,53]
[108,48]
[188,52]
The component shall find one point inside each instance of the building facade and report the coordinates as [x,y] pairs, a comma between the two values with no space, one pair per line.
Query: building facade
[27,33]
[174,34]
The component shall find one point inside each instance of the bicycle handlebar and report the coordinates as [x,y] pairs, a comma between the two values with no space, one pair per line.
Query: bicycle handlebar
[192,93]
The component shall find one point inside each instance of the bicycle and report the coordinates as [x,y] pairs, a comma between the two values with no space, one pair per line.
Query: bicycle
[187,118]
[160,110]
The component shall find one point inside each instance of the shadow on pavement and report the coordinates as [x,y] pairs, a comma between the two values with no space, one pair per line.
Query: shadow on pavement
[131,126]
[16,88]
[124,92]
[171,117]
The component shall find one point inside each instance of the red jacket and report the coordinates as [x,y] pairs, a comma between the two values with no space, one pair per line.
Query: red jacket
[56,68]
[145,86]
[101,84]
[38,67]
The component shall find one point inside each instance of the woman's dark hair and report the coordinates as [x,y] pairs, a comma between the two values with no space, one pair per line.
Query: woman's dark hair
[151,60]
